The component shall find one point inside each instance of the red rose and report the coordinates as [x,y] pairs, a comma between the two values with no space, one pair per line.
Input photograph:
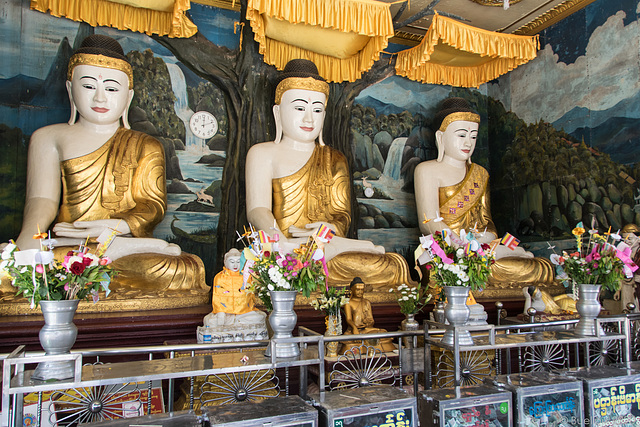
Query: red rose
[70,253]
[77,268]
[267,254]
[86,261]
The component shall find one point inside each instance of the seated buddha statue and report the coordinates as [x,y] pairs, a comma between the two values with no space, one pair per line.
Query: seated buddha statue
[452,193]
[296,183]
[359,318]
[232,305]
[95,176]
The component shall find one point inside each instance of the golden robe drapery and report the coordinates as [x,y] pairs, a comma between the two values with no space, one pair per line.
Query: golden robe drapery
[466,206]
[125,179]
[320,191]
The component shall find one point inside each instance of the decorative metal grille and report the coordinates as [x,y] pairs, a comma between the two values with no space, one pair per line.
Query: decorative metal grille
[359,367]
[544,358]
[475,366]
[239,386]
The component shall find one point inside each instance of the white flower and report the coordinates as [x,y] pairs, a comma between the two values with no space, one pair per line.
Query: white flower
[270,287]
[405,298]
[6,253]
[460,253]
[94,259]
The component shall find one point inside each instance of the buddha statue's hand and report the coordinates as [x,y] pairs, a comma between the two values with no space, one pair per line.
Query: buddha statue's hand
[84,229]
[123,246]
[504,252]
[309,229]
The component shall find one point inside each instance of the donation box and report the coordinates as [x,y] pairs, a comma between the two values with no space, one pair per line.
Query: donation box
[277,412]
[543,399]
[612,396]
[376,406]
[478,406]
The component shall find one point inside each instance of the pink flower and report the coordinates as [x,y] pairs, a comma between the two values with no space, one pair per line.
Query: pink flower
[105,261]
[39,269]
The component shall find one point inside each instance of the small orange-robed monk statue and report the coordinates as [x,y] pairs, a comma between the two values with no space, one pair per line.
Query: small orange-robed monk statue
[233,307]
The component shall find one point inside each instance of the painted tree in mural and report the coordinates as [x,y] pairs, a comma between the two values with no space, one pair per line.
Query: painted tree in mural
[247,84]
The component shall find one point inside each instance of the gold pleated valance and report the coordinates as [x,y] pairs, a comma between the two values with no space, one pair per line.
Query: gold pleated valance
[456,54]
[163,17]
[342,37]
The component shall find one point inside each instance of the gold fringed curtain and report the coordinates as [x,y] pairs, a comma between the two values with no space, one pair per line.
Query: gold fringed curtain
[342,37]
[163,17]
[453,53]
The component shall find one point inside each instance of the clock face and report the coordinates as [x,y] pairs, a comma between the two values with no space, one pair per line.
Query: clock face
[203,124]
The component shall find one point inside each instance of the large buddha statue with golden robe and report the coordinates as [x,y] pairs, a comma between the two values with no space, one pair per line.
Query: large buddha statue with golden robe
[452,193]
[95,176]
[296,183]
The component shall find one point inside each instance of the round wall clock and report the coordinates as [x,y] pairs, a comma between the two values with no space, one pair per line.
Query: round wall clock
[203,124]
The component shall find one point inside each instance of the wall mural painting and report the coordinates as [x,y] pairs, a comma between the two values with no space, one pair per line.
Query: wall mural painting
[34,54]
[569,151]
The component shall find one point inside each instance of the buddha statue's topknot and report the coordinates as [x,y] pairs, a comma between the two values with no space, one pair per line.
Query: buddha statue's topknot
[101,51]
[453,109]
[300,74]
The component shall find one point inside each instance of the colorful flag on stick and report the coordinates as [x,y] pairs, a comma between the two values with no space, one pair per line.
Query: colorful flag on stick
[325,233]
[263,237]
[510,241]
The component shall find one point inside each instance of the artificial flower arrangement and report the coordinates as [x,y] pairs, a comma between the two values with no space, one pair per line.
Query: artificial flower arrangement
[602,259]
[269,268]
[456,261]
[411,299]
[38,276]
[331,300]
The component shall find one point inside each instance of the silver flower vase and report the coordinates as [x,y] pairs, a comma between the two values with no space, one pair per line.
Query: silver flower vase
[57,336]
[409,324]
[438,312]
[282,320]
[588,307]
[457,314]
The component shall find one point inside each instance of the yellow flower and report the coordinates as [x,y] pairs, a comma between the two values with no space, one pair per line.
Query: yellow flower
[578,231]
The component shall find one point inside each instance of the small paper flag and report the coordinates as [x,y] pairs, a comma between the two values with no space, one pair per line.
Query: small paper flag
[325,233]
[510,241]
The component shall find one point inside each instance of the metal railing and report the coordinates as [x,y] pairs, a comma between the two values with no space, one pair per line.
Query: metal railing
[507,347]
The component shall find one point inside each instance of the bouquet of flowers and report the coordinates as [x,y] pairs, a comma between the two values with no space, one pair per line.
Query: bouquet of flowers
[38,276]
[411,300]
[467,263]
[602,259]
[330,301]
[271,269]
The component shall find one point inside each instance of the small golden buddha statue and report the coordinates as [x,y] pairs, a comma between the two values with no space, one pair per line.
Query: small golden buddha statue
[359,318]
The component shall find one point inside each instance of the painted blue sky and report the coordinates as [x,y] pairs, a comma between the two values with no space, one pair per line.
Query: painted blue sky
[604,76]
